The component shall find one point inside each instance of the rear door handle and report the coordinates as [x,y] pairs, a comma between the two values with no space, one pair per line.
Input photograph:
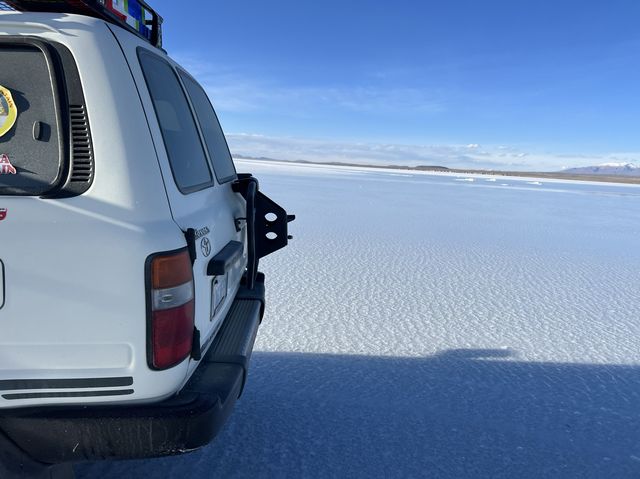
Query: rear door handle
[221,262]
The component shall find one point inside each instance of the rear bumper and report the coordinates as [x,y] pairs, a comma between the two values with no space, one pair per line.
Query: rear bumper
[187,421]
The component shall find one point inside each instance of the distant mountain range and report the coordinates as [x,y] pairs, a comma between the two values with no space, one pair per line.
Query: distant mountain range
[609,169]
[607,172]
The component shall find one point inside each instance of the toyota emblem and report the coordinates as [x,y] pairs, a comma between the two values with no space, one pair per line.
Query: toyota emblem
[205,246]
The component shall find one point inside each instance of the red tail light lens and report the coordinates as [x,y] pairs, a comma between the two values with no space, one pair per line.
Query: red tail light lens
[171,323]
[172,335]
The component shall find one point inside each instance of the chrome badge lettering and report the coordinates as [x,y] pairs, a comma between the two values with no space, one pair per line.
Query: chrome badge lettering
[202,232]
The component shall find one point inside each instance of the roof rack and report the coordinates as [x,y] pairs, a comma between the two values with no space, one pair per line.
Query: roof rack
[134,15]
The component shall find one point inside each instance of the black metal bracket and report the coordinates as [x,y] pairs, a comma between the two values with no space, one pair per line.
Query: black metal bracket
[267,224]
[271,226]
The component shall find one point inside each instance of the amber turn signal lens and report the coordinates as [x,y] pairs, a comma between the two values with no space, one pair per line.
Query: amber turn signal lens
[171,270]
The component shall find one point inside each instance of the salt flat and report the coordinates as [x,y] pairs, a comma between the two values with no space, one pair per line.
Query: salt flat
[419,326]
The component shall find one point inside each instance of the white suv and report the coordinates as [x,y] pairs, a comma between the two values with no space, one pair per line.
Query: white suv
[129,291]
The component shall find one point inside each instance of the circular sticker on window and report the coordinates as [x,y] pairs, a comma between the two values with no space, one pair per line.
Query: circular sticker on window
[8,110]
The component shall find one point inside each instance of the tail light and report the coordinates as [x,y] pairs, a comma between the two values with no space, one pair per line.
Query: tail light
[170,308]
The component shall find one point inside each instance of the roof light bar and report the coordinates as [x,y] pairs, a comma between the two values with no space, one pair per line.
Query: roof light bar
[134,15]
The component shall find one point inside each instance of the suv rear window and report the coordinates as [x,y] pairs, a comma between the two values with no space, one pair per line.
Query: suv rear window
[30,151]
[186,154]
[213,136]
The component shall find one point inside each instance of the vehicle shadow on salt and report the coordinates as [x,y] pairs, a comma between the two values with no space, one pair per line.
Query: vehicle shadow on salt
[459,414]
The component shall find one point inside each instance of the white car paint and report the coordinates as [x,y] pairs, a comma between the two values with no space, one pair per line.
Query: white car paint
[74,269]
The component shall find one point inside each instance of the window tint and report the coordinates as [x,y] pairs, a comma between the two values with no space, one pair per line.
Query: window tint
[186,155]
[213,135]
[30,157]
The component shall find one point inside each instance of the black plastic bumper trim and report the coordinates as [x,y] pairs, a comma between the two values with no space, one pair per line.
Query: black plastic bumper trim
[70,394]
[186,421]
[15,384]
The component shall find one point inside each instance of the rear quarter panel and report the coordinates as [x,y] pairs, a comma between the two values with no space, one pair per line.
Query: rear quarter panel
[74,268]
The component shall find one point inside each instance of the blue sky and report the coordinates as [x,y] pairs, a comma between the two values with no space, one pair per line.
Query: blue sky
[513,84]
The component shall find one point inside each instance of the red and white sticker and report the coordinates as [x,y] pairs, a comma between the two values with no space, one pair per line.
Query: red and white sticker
[6,168]
[3,213]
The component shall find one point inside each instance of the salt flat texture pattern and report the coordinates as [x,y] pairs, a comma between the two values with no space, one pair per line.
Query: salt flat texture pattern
[420,326]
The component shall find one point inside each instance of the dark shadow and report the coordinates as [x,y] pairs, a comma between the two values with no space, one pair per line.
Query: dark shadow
[459,414]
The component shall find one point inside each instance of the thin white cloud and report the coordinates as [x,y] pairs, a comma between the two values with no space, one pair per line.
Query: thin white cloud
[452,156]
[233,92]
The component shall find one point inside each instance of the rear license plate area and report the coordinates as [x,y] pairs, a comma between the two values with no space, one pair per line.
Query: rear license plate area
[218,293]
